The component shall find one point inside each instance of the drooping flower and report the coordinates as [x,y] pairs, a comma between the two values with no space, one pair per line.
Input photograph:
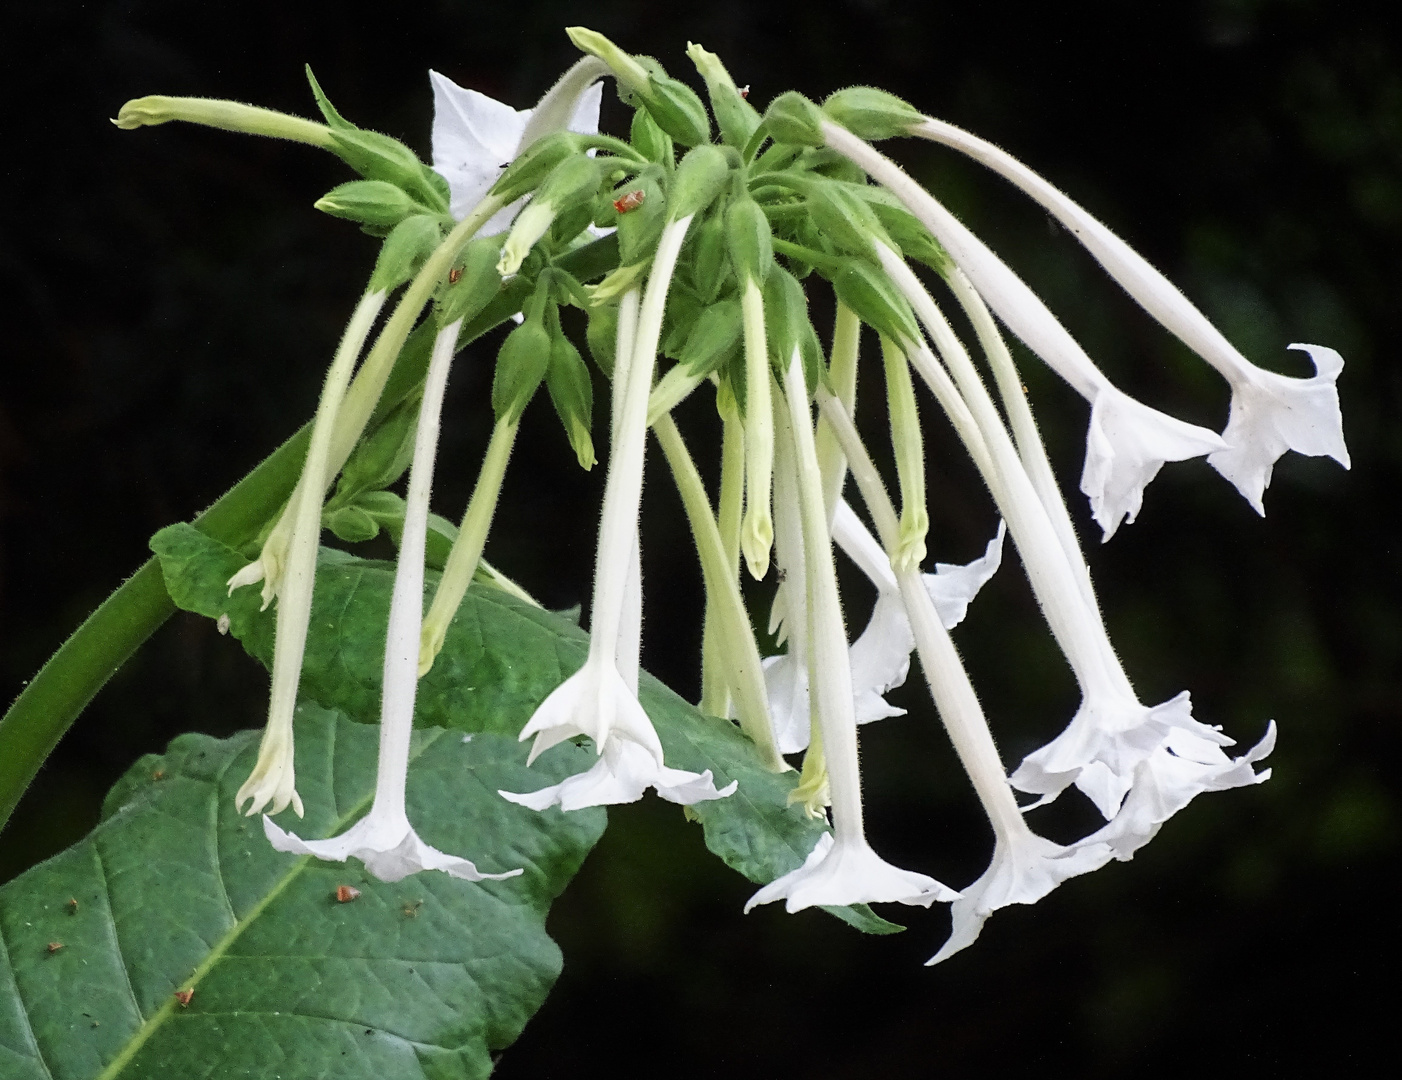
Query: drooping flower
[842,868]
[1127,442]
[475,136]
[384,840]
[597,701]
[1270,413]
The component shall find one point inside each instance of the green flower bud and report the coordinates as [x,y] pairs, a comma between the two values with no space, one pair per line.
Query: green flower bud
[714,338]
[651,141]
[381,457]
[406,247]
[749,240]
[699,178]
[683,309]
[678,110]
[473,281]
[736,116]
[847,222]
[535,163]
[572,393]
[874,300]
[573,182]
[908,234]
[378,157]
[522,363]
[351,524]
[792,118]
[872,114]
[370,202]
[640,226]
[625,67]
[602,336]
[787,326]
[707,266]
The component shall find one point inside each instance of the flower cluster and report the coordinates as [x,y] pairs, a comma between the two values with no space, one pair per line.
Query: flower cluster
[700,247]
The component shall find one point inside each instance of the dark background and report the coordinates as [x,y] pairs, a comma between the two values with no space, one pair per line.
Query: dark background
[170,300]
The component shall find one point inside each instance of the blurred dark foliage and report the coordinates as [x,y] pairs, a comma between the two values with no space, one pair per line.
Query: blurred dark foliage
[170,300]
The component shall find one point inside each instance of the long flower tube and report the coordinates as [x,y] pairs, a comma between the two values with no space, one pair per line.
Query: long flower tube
[466,552]
[715,687]
[735,640]
[597,701]
[1025,867]
[1270,413]
[757,529]
[1127,442]
[843,870]
[630,623]
[273,779]
[1112,732]
[384,840]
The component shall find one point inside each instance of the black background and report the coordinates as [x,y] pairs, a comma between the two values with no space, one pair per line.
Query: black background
[170,300]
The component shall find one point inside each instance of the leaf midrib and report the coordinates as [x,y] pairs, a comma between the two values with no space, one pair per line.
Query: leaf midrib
[156,1019]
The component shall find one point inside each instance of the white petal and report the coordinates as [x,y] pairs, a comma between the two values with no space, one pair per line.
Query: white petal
[594,701]
[849,873]
[474,138]
[586,111]
[624,771]
[953,586]
[1126,445]
[1170,778]
[1103,745]
[881,658]
[1274,413]
[1024,869]
[390,851]
[786,681]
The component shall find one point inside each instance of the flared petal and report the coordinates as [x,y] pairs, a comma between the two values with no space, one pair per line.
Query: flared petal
[1103,746]
[391,850]
[881,658]
[596,702]
[952,586]
[1274,413]
[273,781]
[1126,445]
[1024,869]
[624,771]
[474,139]
[849,873]
[786,684]
[1181,768]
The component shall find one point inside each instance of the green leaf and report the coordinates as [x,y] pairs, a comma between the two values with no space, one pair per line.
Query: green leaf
[175,891]
[500,659]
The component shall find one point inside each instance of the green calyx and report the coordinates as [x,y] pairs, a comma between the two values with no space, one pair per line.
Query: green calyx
[523,359]
[872,114]
[406,248]
[700,177]
[738,119]
[874,300]
[674,105]
[374,203]
[792,118]
[571,392]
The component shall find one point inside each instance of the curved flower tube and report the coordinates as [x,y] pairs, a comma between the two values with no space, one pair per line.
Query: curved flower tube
[1127,442]
[1270,413]
[842,868]
[384,840]
[475,137]
[597,700]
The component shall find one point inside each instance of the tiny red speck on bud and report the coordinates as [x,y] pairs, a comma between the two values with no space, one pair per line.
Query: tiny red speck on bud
[631,201]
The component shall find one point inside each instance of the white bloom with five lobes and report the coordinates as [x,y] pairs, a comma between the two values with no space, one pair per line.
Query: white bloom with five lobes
[1270,413]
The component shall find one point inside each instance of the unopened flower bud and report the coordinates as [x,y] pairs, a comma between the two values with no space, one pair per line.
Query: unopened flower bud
[570,184]
[535,163]
[351,524]
[379,157]
[792,118]
[714,338]
[404,251]
[736,116]
[473,281]
[572,392]
[370,202]
[870,294]
[872,114]
[843,218]
[749,240]
[522,363]
[788,326]
[650,140]
[699,178]
[641,225]
[708,257]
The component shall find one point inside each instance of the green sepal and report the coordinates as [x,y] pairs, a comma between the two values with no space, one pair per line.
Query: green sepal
[677,109]
[535,163]
[651,141]
[714,337]
[328,111]
[738,119]
[683,309]
[792,118]
[351,524]
[602,336]
[872,114]
[572,182]
[787,326]
[379,157]
[874,300]
[572,393]
[640,228]
[700,177]
[478,280]
[381,457]
[748,240]
[842,219]
[404,251]
[708,267]
[909,235]
[522,362]
[568,224]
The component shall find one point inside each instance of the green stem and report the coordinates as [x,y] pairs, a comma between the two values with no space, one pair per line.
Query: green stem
[53,699]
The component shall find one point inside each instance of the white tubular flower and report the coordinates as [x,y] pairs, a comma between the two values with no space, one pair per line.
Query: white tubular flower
[1270,413]
[1179,769]
[597,701]
[291,563]
[842,868]
[786,676]
[1274,413]
[475,137]
[1025,867]
[1126,445]
[384,840]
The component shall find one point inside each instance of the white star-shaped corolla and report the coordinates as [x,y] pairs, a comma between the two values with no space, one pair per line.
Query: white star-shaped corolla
[475,137]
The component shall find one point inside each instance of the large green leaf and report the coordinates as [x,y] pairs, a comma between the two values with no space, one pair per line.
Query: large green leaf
[500,659]
[175,891]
